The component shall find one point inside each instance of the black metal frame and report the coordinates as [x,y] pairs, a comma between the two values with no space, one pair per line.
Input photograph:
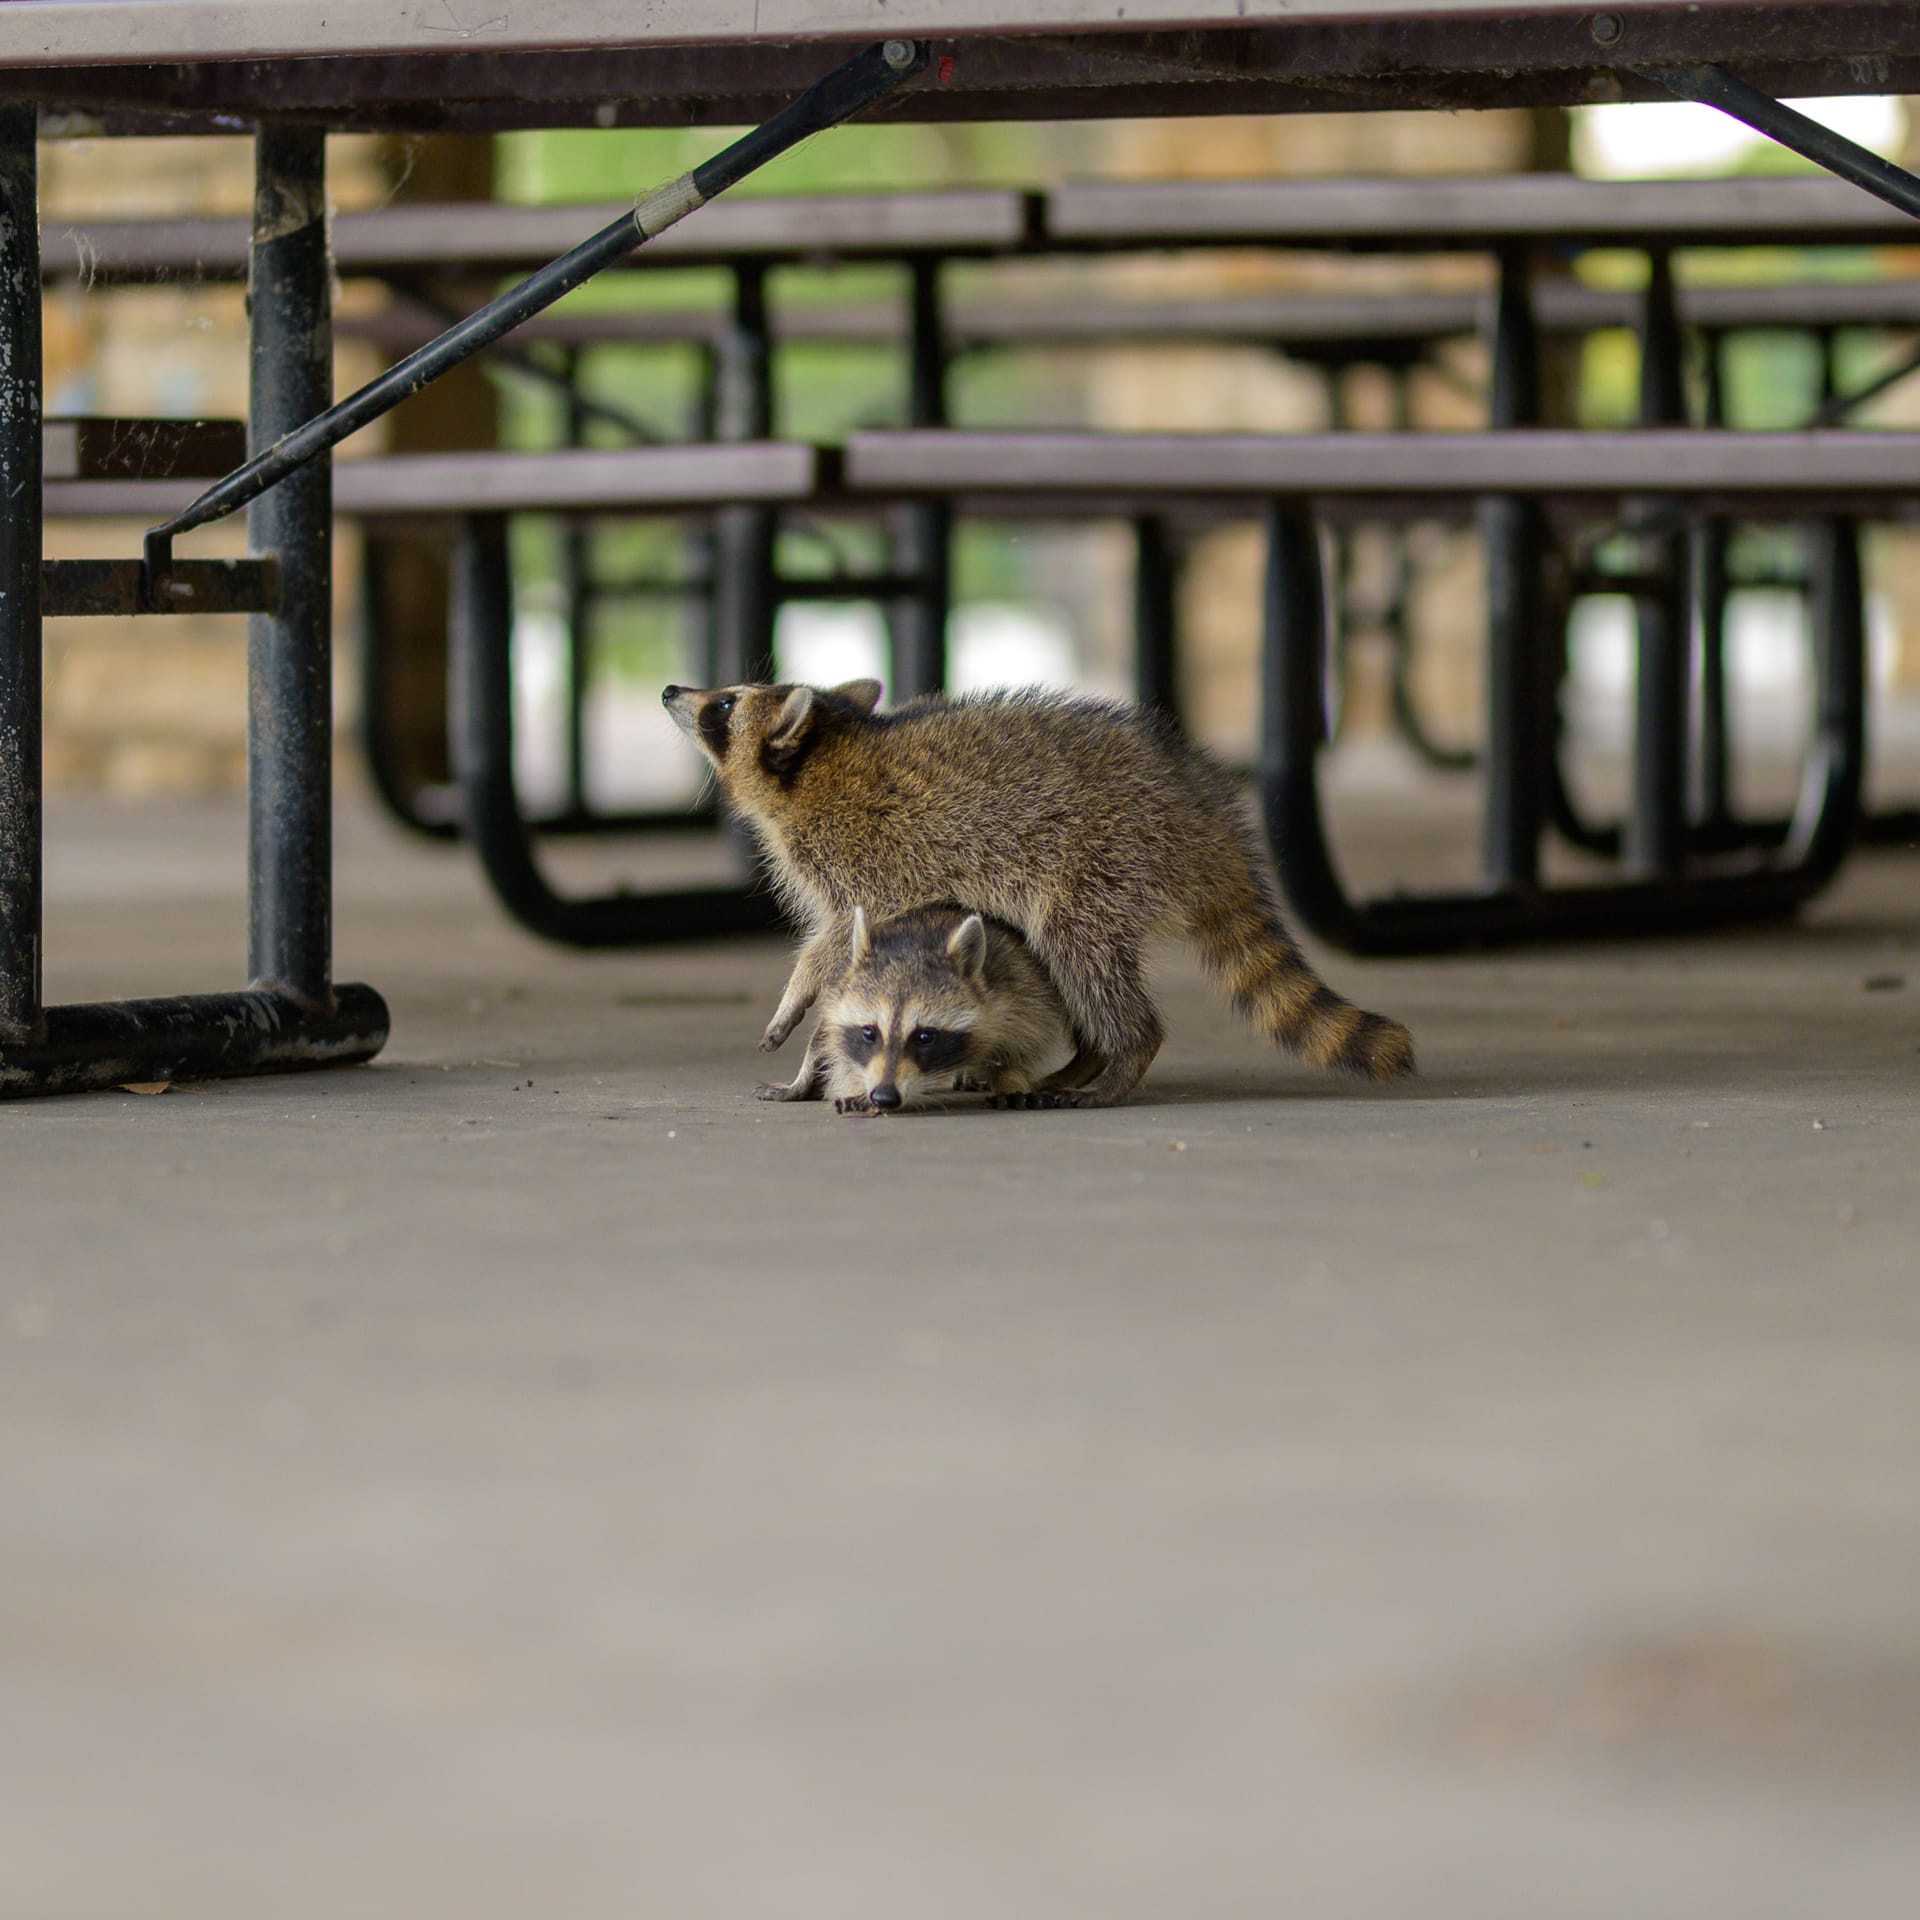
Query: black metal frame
[1688,863]
[736,402]
[1696,895]
[292,1014]
[735,584]
[480,668]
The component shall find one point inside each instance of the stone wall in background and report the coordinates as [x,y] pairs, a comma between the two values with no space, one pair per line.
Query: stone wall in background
[141,706]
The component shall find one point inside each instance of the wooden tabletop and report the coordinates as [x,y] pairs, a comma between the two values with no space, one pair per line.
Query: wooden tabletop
[447,64]
[51,32]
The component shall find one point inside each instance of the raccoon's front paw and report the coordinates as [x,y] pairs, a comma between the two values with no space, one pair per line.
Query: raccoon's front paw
[1028,1102]
[855,1104]
[774,1038]
[785,1090]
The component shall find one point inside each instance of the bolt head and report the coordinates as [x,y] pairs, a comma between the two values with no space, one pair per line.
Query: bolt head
[898,54]
[1607,29]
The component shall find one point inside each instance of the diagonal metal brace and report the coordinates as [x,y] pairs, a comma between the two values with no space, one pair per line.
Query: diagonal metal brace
[837,96]
[1715,87]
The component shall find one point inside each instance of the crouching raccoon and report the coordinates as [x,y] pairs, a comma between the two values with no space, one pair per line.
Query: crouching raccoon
[932,999]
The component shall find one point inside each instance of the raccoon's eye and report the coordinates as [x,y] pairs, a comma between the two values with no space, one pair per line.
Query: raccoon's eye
[726,705]
[870,1035]
[925,1037]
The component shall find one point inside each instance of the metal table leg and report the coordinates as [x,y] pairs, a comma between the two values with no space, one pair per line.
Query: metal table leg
[1514,533]
[1714,86]
[1707,569]
[745,589]
[20,1014]
[292,1015]
[1156,591]
[923,529]
[481,699]
[1705,895]
[1656,838]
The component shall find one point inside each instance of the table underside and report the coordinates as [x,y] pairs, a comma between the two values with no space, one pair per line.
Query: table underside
[205,71]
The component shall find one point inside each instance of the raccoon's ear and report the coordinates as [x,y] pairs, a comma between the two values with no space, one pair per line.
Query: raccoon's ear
[864,694]
[967,947]
[792,729]
[862,943]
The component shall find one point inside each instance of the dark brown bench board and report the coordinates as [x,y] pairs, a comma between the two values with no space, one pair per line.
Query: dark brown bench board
[489,237]
[1266,319]
[1477,213]
[1789,473]
[428,485]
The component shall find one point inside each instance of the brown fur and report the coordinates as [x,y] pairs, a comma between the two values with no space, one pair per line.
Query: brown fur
[1088,826]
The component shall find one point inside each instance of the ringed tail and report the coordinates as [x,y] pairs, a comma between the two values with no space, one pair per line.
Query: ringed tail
[1272,984]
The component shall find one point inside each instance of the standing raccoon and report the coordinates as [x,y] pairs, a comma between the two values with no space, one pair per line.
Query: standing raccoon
[933,998]
[1087,826]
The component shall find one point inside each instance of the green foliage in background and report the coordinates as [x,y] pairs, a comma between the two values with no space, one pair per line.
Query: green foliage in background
[822,390]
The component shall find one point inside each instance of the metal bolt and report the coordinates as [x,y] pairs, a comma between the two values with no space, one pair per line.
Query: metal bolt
[1606,29]
[898,54]
[179,589]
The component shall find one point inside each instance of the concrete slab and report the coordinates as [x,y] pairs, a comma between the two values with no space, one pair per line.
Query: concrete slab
[531,1476]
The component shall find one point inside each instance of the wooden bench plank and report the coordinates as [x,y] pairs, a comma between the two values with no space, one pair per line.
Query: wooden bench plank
[1828,469]
[485,238]
[1472,212]
[639,479]
[1800,469]
[1468,212]
[1262,320]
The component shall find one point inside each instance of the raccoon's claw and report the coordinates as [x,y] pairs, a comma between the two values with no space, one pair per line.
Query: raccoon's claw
[1029,1102]
[858,1104]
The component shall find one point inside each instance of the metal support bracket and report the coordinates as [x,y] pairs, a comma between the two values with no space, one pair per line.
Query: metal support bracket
[1716,87]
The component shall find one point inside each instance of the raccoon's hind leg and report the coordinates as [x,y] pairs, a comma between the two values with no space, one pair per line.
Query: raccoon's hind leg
[1086,1064]
[1060,1088]
[815,967]
[1103,983]
[810,1083]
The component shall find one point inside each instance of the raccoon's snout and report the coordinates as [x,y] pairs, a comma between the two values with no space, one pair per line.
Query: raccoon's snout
[887,1098]
[679,703]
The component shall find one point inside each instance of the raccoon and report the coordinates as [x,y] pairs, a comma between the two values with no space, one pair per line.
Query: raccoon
[1085,825]
[931,999]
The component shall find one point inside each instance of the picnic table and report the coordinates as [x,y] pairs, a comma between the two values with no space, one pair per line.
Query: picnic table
[293,68]
[472,64]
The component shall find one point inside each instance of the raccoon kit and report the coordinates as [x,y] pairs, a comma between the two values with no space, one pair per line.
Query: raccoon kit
[932,999]
[1086,826]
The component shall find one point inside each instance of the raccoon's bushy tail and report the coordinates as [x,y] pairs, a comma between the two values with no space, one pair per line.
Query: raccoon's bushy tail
[1245,943]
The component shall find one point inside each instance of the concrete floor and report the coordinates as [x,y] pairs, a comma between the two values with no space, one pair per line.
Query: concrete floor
[530,1477]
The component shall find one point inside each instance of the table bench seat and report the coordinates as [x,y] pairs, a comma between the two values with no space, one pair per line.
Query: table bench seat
[1787,473]
[439,485]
